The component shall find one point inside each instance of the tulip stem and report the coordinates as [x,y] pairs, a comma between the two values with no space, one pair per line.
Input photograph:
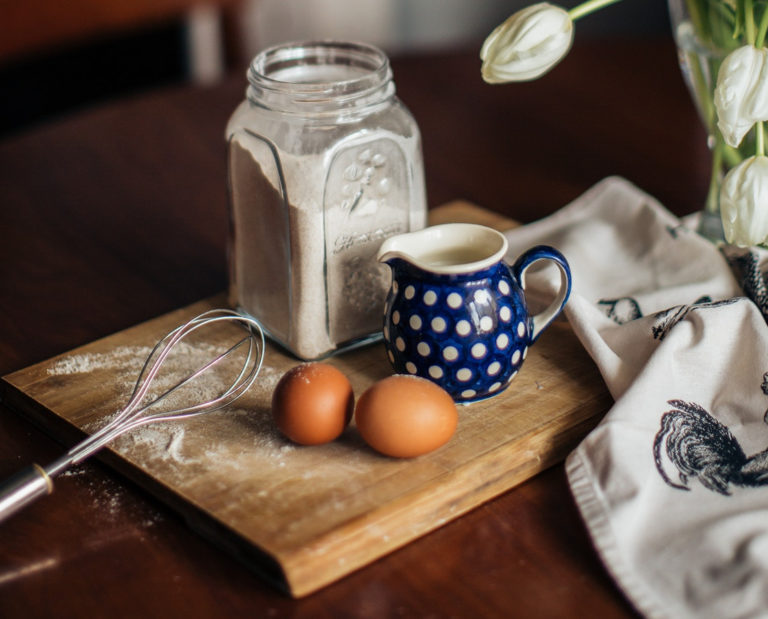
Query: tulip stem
[759,139]
[712,205]
[761,29]
[588,7]
[749,22]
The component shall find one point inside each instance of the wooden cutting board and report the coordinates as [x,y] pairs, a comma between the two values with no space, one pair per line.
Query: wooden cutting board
[306,516]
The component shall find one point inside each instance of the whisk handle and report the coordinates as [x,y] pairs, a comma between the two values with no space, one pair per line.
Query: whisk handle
[22,489]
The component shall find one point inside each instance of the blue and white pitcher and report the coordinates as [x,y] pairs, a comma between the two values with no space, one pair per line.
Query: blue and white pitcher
[456,312]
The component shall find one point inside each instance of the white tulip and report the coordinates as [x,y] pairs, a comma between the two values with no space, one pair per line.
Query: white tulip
[527,44]
[741,94]
[744,202]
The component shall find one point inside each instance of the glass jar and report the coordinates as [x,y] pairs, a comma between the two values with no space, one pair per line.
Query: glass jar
[324,163]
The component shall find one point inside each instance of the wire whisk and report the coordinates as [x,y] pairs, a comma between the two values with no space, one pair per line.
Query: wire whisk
[141,409]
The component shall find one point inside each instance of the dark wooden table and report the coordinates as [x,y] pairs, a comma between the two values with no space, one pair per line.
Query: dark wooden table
[118,214]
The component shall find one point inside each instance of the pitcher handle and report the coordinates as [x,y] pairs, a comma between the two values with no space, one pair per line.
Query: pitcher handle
[544,252]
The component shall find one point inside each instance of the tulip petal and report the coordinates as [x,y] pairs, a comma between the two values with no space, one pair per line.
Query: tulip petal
[527,45]
[741,93]
[744,202]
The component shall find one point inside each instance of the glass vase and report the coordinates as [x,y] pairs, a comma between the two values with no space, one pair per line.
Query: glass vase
[705,34]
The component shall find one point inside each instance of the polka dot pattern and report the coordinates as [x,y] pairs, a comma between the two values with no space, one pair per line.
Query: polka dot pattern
[469,335]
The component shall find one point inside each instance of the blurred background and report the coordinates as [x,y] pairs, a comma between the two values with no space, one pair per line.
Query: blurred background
[56,57]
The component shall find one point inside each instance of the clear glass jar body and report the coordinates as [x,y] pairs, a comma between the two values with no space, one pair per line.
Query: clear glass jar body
[324,164]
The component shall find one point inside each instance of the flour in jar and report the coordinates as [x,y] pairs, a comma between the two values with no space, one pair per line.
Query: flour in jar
[306,229]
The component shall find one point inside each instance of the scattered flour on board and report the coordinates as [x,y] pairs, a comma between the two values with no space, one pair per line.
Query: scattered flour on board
[127,358]
[235,445]
[130,359]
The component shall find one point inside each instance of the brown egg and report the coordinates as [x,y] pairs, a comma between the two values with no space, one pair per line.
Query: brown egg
[405,416]
[312,403]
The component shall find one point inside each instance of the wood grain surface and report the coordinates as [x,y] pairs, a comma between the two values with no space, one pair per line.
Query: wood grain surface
[306,516]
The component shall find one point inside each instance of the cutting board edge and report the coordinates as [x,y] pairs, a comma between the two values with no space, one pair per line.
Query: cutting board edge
[13,398]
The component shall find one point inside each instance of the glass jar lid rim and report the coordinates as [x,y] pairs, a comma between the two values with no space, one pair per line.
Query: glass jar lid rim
[318,53]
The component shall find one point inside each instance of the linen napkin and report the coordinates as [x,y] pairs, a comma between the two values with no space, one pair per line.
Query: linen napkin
[673,483]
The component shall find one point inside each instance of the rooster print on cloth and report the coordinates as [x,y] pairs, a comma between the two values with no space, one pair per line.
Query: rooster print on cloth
[701,447]
[691,443]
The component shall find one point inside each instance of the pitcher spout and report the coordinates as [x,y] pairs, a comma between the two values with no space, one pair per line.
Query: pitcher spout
[395,247]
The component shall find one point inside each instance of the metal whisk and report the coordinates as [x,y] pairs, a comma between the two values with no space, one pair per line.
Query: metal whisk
[36,481]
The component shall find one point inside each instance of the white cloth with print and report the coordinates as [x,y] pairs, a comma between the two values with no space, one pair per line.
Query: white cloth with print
[673,483]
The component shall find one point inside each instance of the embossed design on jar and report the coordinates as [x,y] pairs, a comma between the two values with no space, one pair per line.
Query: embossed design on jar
[368,183]
[358,216]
